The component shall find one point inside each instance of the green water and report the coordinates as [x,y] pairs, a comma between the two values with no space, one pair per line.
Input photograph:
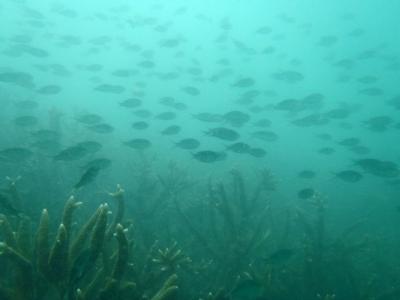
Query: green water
[256,143]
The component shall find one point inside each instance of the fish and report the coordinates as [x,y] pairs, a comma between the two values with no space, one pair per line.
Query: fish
[247,289]
[209,156]
[349,142]
[90,146]
[239,147]
[223,133]
[306,174]
[349,176]
[51,89]
[378,123]
[306,193]
[244,82]
[27,104]
[71,153]
[265,135]
[188,144]
[142,113]
[138,144]
[140,125]
[171,130]
[110,88]
[288,76]
[88,176]
[190,90]
[45,134]
[209,117]
[379,168]
[101,163]
[131,103]
[15,154]
[102,128]
[19,78]
[166,116]
[262,123]
[236,118]
[26,121]
[257,152]
[280,256]
[89,119]
[6,206]
[326,150]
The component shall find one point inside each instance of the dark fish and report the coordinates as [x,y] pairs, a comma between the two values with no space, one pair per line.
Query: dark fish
[349,142]
[380,168]
[288,76]
[244,82]
[265,135]
[190,90]
[306,174]
[166,116]
[131,103]
[89,119]
[90,146]
[337,113]
[290,105]
[7,207]
[110,88]
[102,128]
[26,121]
[142,113]
[16,154]
[326,150]
[87,177]
[311,120]
[146,64]
[367,79]
[247,289]
[306,193]
[360,150]
[373,91]
[262,123]
[27,104]
[100,163]
[349,176]
[138,144]
[19,78]
[49,90]
[209,117]
[327,40]
[208,156]
[140,125]
[223,133]
[378,123]
[280,256]
[257,152]
[239,147]
[171,130]
[188,144]
[71,153]
[264,30]
[124,73]
[236,118]
[45,134]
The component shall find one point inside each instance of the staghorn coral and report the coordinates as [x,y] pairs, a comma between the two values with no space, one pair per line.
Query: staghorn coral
[71,267]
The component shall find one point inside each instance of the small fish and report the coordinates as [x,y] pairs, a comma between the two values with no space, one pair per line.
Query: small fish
[244,82]
[141,125]
[223,133]
[110,88]
[71,153]
[190,90]
[208,156]
[188,144]
[306,174]
[26,121]
[101,128]
[166,116]
[7,206]
[306,193]
[239,147]
[131,103]
[280,256]
[257,152]
[87,177]
[138,144]
[49,90]
[89,119]
[15,154]
[171,130]
[90,146]
[265,135]
[349,176]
